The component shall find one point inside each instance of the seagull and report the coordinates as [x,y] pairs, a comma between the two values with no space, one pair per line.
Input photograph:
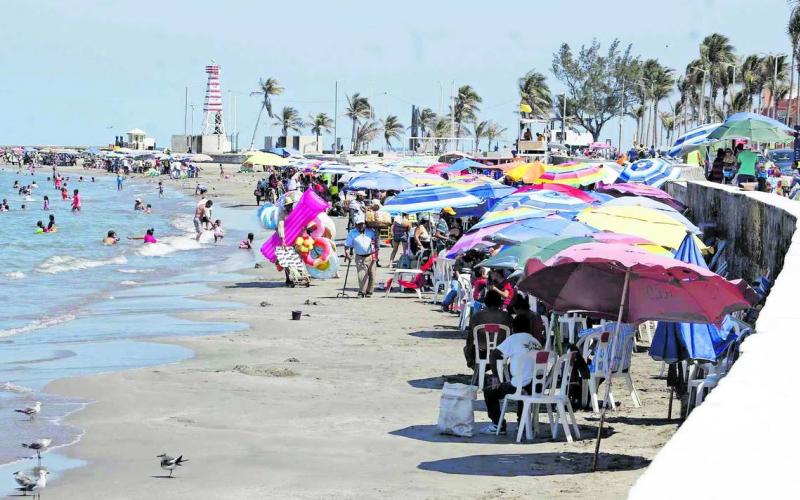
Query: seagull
[30,485]
[39,445]
[31,411]
[169,463]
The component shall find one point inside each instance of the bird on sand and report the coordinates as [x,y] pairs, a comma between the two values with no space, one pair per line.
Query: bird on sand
[29,485]
[39,445]
[169,463]
[31,411]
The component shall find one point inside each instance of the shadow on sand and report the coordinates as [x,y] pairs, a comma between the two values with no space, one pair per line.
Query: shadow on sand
[431,434]
[533,464]
[439,334]
[438,382]
[258,284]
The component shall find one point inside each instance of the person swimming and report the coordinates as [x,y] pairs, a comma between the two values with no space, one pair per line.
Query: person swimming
[51,224]
[148,236]
[247,243]
[148,209]
[137,204]
[111,238]
[40,227]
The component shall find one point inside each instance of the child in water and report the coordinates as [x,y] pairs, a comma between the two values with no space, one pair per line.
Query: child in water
[51,225]
[247,243]
[76,201]
[148,237]
[64,195]
[219,233]
[46,204]
[148,209]
[40,227]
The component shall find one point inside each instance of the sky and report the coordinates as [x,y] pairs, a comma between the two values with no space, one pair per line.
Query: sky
[79,72]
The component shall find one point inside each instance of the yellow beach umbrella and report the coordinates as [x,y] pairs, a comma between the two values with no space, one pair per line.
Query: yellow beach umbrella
[647,223]
[526,172]
[266,159]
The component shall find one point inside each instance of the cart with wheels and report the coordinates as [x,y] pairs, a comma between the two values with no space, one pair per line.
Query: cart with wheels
[295,268]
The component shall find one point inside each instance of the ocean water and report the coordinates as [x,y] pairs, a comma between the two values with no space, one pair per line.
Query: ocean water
[72,306]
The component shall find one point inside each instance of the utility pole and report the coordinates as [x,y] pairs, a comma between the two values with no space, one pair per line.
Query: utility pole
[335,118]
[453,114]
[564,121]
[185,108]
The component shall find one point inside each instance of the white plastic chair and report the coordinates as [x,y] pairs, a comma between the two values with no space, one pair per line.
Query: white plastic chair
[464,301]
[558,396]
[491,332]
[442,272]
[571,324]
[620,367]
[647,329]
[542,361]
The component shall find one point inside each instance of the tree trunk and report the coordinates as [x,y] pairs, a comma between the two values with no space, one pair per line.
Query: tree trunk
[353,144]
[797,108]
[255,129]
[655,122]
[791,85]
[702,99]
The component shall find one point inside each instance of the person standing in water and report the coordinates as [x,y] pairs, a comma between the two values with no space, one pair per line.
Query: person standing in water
[160,189]
[119,181]
[51,224]
[76,201]
[111,238]
[148,237]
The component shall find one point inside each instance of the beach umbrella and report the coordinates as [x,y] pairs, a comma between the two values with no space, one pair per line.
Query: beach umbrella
[461,165]
[693,140]
[483,187]
[754,127]
[651,171]
[525,172]
[436,168]
[29,149]
[543,199]
[630,285]
[266,159]
[579,174]
[630,239]
[640,201]
[429,198]
[423,179]
[629,189]
[379,180]
[514,214]
[515,256]
[541,227]
[475,239]
[599,145]
[639,221]
[91,151]
[561,188]
[673,342]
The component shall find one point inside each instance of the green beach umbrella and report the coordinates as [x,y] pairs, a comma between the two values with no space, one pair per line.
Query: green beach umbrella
[515,256]
[752,126]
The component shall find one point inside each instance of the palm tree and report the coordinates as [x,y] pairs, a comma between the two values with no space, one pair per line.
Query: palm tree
[366,133]
[661,85]
[493,132]
[773,73]
[667,124]
[288,119]
[534,92]
[319,124]
[427,120]
[441,128]
[266,89]
[715,50]
[357,108]
[480,131]
[392,129]
[793,30]
[752,81]
[466,107]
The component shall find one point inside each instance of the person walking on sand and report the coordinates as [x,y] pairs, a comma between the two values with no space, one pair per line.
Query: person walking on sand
[360,244]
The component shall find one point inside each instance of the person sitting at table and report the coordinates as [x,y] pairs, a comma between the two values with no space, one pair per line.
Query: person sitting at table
[491,314]
[501,285]
[521,307]
[515,348]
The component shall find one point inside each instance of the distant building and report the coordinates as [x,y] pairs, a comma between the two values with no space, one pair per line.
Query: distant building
[212,140]
[137,139]
[306,144]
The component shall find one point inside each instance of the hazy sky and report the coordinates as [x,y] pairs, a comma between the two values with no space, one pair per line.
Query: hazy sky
[79,71]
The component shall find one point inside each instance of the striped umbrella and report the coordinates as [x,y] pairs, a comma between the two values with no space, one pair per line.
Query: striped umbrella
[515,256]
[517,214]
[561,188]
[543,199]
[550,226]
[650,171]
[379,180]
[641,201]
[692,140]
[429,198]
[423,179]
[578,174]
[475,238]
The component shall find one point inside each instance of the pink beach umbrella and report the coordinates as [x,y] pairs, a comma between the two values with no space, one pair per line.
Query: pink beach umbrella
[561,188]
[436,168]
[623,282]
[635,189]
[475,238]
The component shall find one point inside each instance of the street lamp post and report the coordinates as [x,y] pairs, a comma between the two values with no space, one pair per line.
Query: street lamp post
[621,115]
[564,121]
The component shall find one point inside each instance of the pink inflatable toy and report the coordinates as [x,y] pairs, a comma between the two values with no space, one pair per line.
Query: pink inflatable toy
[305,210]
[323,227]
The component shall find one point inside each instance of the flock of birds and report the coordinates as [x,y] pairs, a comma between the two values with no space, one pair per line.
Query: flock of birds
[37,480]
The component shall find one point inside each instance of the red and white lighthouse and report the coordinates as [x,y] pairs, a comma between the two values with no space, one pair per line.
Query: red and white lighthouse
[212,122]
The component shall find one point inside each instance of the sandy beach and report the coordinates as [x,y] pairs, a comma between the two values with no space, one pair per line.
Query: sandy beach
[342,404]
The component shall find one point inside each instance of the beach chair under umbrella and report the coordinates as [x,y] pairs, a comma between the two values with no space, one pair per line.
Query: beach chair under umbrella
[630,285]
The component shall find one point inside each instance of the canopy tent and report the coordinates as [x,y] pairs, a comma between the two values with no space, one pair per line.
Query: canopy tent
[266,159]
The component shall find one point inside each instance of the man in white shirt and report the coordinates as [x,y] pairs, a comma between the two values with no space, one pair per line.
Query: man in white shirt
[360,244]
[516,349]
[356,207]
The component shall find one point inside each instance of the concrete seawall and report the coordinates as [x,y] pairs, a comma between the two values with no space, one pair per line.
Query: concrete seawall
[740,443]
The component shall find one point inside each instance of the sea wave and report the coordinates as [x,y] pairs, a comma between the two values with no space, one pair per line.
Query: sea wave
[15,275]
[64,263]
[12,387]
[135,271]
[168,245]
[37,325]
[130,283]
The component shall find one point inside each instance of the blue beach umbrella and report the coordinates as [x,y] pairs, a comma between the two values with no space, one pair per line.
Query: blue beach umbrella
[379,180]
[541,227]
[462,164]
[675,342]
[651,171]
[692,140]
[428,199]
